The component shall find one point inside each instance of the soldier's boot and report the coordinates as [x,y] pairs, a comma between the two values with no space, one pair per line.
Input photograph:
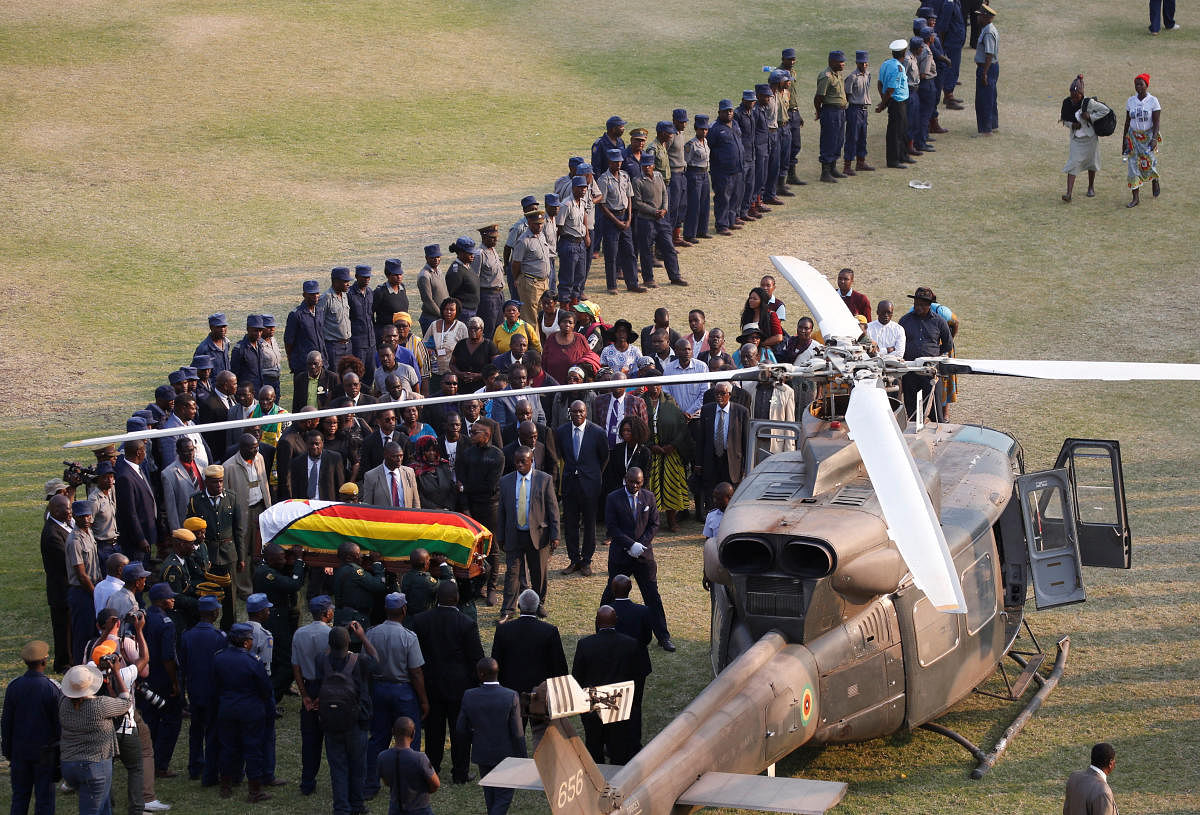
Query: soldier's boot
[226,786]
[762,209]
[677,237]
[781,189]
[826,175]
[833,170]
[847,169]
[861,165]
[256,793]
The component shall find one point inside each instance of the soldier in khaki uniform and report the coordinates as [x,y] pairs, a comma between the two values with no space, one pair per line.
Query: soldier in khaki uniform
[830,104]
[858,98]
[795,120]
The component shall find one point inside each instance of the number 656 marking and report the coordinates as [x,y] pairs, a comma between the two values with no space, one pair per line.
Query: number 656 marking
[570,789]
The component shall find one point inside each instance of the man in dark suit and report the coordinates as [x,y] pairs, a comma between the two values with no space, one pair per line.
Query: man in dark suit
[330,471]
[54,560]
[529,435]
[528,529]
[1088,792]
[529,651]
[720,441]
[472,414]
[631,518]
[384,432]
[291,447]
[450,644]
[634,620]
[137,512]
[584,452]
[610,408]
[490,721]
[603,658]
[315,385]
[215,408]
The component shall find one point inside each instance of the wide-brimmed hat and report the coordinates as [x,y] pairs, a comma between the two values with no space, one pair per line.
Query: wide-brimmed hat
[923,293]
[610,334]
[81,681]
[747,330]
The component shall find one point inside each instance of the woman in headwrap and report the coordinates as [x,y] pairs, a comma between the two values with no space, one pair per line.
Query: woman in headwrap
[435,479]
[1085,144]
[1142,137]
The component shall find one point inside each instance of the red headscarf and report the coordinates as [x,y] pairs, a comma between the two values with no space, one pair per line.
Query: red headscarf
[1144,77]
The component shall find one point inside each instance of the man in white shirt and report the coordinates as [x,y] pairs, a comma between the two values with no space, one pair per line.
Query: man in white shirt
[112,583]
[886,333]
[720,496]
[690,395]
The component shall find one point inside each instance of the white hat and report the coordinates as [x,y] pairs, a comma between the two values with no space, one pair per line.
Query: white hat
[898,45]
[81,681]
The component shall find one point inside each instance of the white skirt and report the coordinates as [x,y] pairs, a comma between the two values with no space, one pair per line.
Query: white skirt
[1084,155]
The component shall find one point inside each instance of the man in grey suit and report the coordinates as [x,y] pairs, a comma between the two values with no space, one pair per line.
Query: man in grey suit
[180,480]
[528,529]
[1088,792]
[490,719]
[391,484]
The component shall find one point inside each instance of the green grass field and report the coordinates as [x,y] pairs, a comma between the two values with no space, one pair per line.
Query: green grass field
[162,160]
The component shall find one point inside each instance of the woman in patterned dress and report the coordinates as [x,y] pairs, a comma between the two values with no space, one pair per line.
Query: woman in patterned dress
[1142,138]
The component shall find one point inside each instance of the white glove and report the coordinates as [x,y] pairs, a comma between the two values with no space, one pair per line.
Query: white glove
[637,550]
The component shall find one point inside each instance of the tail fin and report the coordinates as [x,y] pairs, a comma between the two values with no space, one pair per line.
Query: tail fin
[572,781]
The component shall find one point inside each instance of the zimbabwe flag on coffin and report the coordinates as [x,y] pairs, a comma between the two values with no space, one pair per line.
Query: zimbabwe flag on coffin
[320,526]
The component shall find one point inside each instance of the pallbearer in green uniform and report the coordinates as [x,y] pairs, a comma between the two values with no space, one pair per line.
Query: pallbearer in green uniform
[280,577]
[179,571]
[224,534]
[355,588]
[418,585]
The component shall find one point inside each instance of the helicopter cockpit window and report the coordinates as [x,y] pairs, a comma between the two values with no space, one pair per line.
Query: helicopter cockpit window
[1095,495]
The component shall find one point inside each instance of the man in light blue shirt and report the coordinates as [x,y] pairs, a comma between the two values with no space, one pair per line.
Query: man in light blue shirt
[893,93]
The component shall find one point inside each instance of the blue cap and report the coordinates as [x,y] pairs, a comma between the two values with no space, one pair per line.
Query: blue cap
[749,96]
[762,89]
[257,602]
[340,273]
[551,199]
[788,53]
[105,468]
[190,373]
[175,377]
[665,127]
[574,161]
[585,168]
[393,266]
[614,154]
[81,507]
[679,115]
[579,181]
[157,414]
[322,602]
[144,414]
[362,270]
[134,571]
[837,56]
[701,120]
[529,202]
[202,362]
[647,160]
[862,56]
[925,31]
[254,321]
[464,245]
[926,11]
[916,42]
[208,603]
[161,591]
[433,250]
[615,121]
[241,631]
[217,320]
[164,392]
[134,423]
[268,320]
[395,600]
[311,287]
[725,104]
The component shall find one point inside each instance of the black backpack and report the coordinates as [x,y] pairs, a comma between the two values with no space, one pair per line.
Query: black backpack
[338,703]
[1106,125]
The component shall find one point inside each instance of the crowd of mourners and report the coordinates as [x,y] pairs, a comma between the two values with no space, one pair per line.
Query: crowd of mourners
[166,605]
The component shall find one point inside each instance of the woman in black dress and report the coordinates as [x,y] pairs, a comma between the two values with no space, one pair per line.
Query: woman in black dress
[631,451]
[471,355]
[435,479]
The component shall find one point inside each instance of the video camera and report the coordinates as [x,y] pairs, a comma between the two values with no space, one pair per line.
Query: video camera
[76,474]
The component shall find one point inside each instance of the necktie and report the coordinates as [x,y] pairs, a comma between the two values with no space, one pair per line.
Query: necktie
[578,441]
[720,440]
[195,471]
[633,505]
[313,473]
[396,500]
[523,501]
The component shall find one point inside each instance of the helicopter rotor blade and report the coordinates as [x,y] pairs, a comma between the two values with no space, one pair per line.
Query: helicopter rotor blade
[1103,371]
[907,510]
[822,299]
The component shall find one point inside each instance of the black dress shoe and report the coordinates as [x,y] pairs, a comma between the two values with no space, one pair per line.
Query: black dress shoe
[541,612]
[574,567]
[667,646]
[585,570]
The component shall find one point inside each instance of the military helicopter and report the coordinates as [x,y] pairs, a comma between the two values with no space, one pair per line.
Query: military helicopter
[861,584]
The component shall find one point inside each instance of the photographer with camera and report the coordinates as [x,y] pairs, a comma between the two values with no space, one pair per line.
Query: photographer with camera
[125,599]
[88,723]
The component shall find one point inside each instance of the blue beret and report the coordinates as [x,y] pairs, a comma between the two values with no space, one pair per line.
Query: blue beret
[665,127]
[778,76]
[202,362]
[926,11]
[393,266]
[647,160]
[322,602]
[585,168]
[679,115]
[433,250]
[164,392]
[918,24]
[362,270]
[838,55]
[105,468]
[465,245]
[175,377]
[134,423]
[788,53]
[916,42]
[311,287]
[551,199]
[257,602]
[579,181]
[862,56]
[395,600]
[268,320]
[925,31]
[157,414]
[614,154]
[701,120]
[762,89]
[615,121]
[574,161]
[254,321]
[144,414]
[161,591]
[134,570]
[528,201]
[208,604]
[749,96]
[340,273]
[725,104]
[189,372]
[241,631]
[81,507]
[217,320]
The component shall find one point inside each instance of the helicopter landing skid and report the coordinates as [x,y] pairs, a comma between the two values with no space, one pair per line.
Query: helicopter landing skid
[1046,684]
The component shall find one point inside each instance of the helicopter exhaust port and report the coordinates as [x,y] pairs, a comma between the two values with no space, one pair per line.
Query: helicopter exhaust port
[809,559]
[741,555]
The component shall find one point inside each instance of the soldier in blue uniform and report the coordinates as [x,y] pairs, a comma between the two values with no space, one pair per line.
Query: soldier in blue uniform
[677,187]
[246,359]
[29,730]
[200,645]
[309,644]
[362,321]
[951,29]
[216,345]
[162,637]
[614,128]
[696,154]
[280,577]
[762,143]
[743,120]
[858,99]
[303,334]
[461,282]
[242,692]
[795,121]
[724,168]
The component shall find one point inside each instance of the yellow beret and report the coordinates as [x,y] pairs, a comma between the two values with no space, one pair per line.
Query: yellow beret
[214,471]
[195,524]
[185,534]
[35,651]
[349,488]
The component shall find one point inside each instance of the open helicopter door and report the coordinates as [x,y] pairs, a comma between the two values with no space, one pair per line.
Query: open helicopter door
[1099,489]
[1048,511]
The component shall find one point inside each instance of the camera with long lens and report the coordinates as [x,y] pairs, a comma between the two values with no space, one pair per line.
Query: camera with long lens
[76,474]
[150,697]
